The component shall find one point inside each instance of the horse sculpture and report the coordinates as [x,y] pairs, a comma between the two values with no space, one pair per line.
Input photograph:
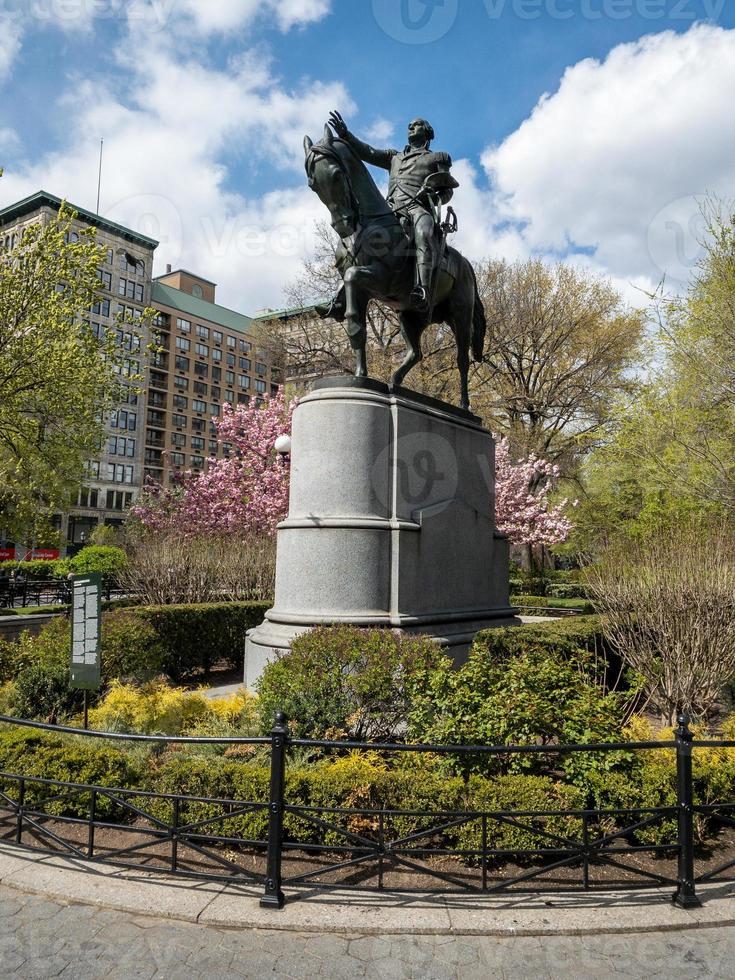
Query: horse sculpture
[375,260]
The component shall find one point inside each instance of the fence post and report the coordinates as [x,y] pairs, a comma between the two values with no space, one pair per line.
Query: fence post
[685,896]
[273,896]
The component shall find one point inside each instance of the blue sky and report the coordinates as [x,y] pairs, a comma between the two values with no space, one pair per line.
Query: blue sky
[580,129]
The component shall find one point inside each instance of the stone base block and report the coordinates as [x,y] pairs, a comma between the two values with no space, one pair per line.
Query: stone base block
[391,522]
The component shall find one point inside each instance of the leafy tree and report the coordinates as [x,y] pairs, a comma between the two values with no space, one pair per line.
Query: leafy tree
[56,379]
[559,351]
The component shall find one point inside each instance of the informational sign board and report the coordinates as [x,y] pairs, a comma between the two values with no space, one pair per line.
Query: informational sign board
[85,631]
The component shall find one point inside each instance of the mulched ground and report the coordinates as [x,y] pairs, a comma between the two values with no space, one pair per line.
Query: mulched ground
[422,873]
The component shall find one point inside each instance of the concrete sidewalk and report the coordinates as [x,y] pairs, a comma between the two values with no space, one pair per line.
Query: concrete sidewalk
[364,913]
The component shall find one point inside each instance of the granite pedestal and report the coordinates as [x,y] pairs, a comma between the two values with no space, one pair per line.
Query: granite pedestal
[390,523]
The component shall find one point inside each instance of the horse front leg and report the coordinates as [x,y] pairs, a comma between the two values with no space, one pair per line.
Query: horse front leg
[356,318]
[412,326]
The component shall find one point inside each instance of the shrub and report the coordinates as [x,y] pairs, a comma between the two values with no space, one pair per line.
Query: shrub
[105,559]
[196,637]
[40,671]
[38,569]
[51,756]
[346,680]
[129,647]
[519,686]
[157,708]
[543,602]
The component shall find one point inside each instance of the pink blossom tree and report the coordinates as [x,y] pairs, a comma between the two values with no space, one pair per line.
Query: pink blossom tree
[522,508]
[245,492]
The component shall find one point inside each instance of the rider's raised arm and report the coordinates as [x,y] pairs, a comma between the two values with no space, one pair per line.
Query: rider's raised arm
[378,158]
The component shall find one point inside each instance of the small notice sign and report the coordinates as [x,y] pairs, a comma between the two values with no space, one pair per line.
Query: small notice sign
[85,631]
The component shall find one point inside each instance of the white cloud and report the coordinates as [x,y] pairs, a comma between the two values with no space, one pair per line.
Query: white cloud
[216,16]
[170,155]
[614,159]
[11,33]
[381,130]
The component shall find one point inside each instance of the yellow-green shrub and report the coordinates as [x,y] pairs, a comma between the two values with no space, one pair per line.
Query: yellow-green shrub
[157,708]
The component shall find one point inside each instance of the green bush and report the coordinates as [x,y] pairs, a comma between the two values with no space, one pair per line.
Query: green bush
[130,648]
[520,685]
[193,638]
[38,569]
[105,559]
[567,590]
[50,756]
[39,668]
[341,679]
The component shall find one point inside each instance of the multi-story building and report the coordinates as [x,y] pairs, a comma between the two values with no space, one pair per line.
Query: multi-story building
[209,357]
[198,356]
[116,476]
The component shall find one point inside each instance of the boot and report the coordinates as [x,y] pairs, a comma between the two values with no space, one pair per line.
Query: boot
[421,292]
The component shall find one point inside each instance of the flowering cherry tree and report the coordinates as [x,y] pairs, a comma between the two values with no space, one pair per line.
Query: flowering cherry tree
[246,492]
[522,508]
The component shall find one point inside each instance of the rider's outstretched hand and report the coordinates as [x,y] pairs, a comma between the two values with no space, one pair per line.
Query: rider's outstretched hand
[338,124]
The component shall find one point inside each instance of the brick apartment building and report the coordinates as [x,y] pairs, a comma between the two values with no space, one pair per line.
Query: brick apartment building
[208,356]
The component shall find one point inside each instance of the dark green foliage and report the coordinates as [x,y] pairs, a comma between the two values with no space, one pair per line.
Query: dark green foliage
[340,679]
[130,648]
[106,559]
[39,667]
[38,569]
[193,638]
[51,756]
[548,602]
[527,685]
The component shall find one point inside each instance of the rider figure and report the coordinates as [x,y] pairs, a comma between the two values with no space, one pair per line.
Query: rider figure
[407,194]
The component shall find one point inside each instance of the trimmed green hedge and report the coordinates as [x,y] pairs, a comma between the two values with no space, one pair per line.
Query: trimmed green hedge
[196,637]
[545,602]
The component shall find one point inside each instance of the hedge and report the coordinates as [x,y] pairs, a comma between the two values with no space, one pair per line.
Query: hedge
[196,637]
[544,602]
[105,559]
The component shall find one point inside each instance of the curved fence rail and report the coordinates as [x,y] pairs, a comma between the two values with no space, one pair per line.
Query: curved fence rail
[274,842]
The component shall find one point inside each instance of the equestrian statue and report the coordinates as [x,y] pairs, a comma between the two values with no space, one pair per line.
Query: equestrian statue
[396,250]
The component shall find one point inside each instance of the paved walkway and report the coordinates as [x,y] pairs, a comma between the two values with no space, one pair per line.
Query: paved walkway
[60,917]
[43,938]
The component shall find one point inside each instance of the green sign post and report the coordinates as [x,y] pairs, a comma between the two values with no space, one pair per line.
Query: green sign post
[86,608]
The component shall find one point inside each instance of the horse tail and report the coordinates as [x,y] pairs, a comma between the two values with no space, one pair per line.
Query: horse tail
[479,323]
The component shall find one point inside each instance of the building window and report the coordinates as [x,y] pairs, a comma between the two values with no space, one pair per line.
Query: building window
[178,421]
[178,439]
[216,374]
[260,387]
[216,354]
[216,392]
[181,401]
[201,369]
[181,383]
[213,447]
[183,325]
[200,388]
[202,350]
[198,425]
[198,406]
[229,396]
[181,362]
[216,337]
[101,307]
[177,459]
[243,381]
[197,462]
[231,342]
[197,443]
[261,369]
[245,364]
[105,278]
[230,360]
[215,410]
[110,256]
[202,331]
[245,346]
[230,377]
[243,399]
[183,343]
[93,469]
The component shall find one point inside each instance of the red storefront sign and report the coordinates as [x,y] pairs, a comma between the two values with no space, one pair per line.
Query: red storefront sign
[43,554]
[7,554]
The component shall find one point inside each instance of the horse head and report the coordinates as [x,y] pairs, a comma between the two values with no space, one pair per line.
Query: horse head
[329,178]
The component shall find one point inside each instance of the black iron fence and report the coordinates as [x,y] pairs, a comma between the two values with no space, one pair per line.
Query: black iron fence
[46,592]
[278,844]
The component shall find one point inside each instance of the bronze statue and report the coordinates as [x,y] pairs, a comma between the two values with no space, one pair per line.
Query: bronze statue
[379,240]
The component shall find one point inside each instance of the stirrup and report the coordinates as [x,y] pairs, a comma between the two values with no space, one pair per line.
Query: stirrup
[419,298]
